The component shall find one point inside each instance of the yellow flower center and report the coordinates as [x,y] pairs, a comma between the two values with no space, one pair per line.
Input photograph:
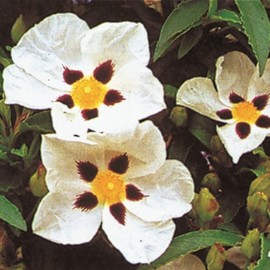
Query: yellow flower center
[245,112]
[109,187]
[88,93]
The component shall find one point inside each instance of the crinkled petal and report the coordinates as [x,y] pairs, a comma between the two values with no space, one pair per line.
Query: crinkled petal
[233,73]
[260,85]
[143,92]
[57,220]
[122,42]
[60,156]
[235,146]
[168,193]
[50,45]
[138,241]
[22,88]
[144,146]
[200,95]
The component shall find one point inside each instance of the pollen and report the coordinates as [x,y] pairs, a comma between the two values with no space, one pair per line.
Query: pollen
[245,112]
[88,93]
[109,187]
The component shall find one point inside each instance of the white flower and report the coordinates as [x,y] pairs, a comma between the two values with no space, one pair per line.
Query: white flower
[241,102]
[123,183]
[91,78]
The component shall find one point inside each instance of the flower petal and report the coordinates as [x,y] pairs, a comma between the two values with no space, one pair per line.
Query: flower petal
[144,147]
[236,146]
[233,72]
[57,220]
[200,95]
[50,45]
[138,241]
[168,193]
[121,42]
[21,88]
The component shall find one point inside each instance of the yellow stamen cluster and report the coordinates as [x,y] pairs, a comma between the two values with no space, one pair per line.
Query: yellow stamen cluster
[245,112]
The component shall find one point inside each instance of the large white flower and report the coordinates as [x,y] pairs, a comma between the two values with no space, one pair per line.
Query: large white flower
[123,183]
[91,78]
[242,102]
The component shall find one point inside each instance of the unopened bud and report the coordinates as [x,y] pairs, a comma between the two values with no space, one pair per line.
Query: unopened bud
[179,116]
[251,245]
[212,182]
[18,29]
[216,257]
[37,182]
[206,206]
[260,184]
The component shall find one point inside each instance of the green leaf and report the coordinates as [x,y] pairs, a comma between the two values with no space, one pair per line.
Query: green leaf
[170,91]
[4,59]
[227,15]
[18,29]
[186,16]
[190,39]
[40,122]
[213,4]
[257,28]
[264,262]
[10,213]
[194,241]
[202,128]
[21,152]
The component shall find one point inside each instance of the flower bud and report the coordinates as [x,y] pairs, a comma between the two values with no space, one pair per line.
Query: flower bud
[257,207]
[216,257]
[206,206]
[260,184]
[18,29]
[212,182]
[37,182]
[251,245]
[179,116]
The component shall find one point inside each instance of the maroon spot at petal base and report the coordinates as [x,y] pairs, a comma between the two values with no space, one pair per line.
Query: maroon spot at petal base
[87,170]
[89,114]
[112,97]
[224,114]
[235,98]
[104,71]
[133,193]
[260,101]
[119,164]
[118,211]
[86,201]
[71,76]
[263,121]
[66,100]
[242,129]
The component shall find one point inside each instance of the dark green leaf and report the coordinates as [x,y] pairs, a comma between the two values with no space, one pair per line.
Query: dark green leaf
[4,59]
[40,122]
[5,113]
[212,7]
[170,91]
[264,262]
[257,28]
[10,213]
[190,39]
[227,15]
[186,16]
[202,128]
[194,241]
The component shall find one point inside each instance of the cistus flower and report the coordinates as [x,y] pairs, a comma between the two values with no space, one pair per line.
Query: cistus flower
[91,78]
[123,183]
[241,102]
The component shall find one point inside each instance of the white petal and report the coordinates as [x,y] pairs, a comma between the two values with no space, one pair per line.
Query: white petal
[233,73]
[144,146]
[50,45]
[260,85]
[122,42]
[235,146]
[57,220]
[68,123]
[169,192]
[143,92]
[200,95]
[138,241]
[60,156]
[22,88]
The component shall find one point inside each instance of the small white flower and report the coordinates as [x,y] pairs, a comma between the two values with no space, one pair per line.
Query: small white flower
[242,102]
[121,182]
[91,78]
